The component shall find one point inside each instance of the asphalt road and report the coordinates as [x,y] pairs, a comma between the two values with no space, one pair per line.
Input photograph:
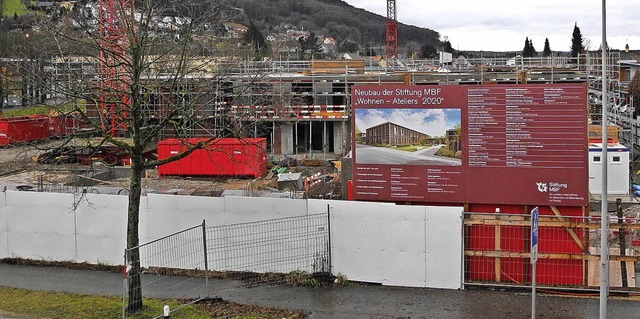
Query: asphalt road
[352,302]
[381,155]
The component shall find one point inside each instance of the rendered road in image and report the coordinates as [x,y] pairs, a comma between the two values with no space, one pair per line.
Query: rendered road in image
[366,154]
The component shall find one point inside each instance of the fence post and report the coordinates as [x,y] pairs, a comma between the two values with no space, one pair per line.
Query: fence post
[206,264]
[329,237]
[124,286]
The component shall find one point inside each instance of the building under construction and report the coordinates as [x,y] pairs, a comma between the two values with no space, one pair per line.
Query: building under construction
[300,107]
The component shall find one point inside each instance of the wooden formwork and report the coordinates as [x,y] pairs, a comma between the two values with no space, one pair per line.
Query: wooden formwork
[497,249]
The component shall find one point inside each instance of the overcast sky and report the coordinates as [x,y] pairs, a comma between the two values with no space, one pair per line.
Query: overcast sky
[502,25]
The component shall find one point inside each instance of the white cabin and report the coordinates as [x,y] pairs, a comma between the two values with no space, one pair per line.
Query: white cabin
[618,157]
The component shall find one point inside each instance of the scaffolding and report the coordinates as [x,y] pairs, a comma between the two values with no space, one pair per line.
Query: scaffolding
[301,107]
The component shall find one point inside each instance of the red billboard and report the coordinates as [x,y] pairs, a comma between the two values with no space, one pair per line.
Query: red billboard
[494,144]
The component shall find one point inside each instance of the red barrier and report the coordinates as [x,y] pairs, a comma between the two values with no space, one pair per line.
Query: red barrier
[23,129]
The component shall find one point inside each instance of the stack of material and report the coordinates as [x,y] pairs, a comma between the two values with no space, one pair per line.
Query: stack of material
[290,181]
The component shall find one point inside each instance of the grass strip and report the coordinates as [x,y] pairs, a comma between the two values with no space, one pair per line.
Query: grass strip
[27,304]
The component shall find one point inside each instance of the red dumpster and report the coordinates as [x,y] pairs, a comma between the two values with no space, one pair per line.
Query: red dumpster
[63,125]
[23,129]
[221,157]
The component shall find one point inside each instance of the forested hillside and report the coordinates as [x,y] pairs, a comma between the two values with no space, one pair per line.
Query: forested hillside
[333,18]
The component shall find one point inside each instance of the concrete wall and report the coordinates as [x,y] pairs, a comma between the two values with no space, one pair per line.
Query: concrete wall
[415,246]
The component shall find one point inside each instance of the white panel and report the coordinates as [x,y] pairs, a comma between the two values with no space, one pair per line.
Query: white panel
[4,210]
[617,173]
[355,240]
[403,246]
[41,225]
[444,247]
[168,214]
[102,228]
[315,206]
[250,209]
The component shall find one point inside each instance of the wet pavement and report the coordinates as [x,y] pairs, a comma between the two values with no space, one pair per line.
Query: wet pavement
[352,302]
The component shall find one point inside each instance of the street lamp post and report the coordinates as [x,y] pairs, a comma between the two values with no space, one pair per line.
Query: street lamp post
[604,217]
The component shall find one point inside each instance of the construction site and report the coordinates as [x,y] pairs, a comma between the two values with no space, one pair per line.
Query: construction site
[516,141]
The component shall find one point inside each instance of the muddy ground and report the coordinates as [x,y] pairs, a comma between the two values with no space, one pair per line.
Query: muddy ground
[18,166]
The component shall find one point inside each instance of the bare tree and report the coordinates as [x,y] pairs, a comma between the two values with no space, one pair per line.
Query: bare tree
[149,69]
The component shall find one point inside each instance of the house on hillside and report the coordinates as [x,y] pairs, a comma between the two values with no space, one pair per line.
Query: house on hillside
[352,56]
[329,45]
[377,61]
[461,63]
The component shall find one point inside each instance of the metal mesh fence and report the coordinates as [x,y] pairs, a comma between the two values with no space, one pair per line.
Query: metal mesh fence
[172,267]
[497,251]
[275,251]
[291,250]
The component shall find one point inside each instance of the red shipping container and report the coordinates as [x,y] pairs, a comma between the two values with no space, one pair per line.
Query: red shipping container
[23,129]
[62,125]
[221,157]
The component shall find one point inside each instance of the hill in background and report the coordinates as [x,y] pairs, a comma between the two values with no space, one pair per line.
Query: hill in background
[352,29]
[334,18]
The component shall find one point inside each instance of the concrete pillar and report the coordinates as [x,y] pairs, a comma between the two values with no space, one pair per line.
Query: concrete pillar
[341,137]
[287,136]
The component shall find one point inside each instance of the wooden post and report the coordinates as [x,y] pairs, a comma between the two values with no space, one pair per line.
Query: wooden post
[571,232]
[496,240]
[497,269]
[622,240]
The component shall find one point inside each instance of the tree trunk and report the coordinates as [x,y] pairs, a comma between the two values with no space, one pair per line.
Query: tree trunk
[134,274]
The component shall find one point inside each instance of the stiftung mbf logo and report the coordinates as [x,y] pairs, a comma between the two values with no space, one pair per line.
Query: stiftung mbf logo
[542,187]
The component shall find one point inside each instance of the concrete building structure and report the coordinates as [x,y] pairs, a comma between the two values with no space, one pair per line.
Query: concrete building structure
[393,135]
[300,107]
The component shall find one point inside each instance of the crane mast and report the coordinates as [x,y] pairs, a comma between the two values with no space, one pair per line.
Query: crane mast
[392,32]
[115,17]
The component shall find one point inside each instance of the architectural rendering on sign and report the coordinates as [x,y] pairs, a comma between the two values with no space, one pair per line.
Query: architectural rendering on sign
[418,136]
[508,144]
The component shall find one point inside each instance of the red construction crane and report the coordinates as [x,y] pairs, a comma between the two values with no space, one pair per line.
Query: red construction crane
[392,32]
[115,18]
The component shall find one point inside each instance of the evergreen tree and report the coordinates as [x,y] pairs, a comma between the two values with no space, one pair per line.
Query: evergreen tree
[254,37]
[447,47]
[577,45]
[547,48]
[428,51]
[347,46]
[308,47]
[526,49]
[368,51]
